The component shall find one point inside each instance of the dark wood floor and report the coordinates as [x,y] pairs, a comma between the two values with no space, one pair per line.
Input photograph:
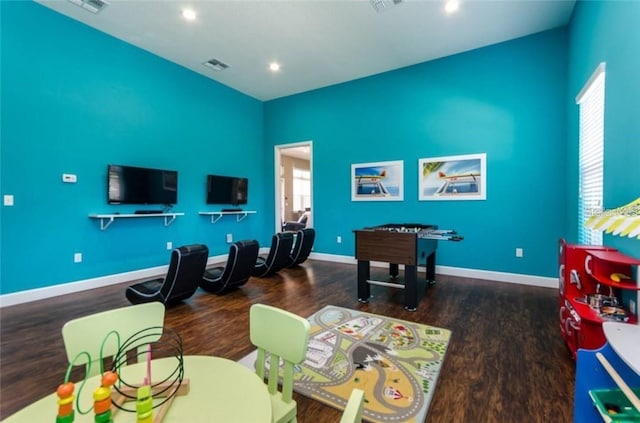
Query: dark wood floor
[506,361]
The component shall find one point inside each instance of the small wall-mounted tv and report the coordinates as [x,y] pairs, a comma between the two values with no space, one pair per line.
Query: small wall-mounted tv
[139,185]
[227,190]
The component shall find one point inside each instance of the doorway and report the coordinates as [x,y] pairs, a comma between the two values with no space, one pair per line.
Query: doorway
[294,183]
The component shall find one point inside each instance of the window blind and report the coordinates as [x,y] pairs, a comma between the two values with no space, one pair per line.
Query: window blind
[591,154]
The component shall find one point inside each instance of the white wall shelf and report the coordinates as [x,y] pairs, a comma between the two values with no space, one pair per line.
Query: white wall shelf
[217,215]
[107,219]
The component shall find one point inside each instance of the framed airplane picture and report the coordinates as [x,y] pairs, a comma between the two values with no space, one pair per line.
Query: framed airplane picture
[381,181]
[453,178]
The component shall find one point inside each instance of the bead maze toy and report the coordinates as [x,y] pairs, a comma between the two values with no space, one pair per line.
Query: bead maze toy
[114,392]
[65,403]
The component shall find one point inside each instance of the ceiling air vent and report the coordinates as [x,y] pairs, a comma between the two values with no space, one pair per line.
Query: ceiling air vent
[216,65]
[93,6]
[382,5]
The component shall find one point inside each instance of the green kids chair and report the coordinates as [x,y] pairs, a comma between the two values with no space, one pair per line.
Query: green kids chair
[285,336]
[89,333]
[353,411]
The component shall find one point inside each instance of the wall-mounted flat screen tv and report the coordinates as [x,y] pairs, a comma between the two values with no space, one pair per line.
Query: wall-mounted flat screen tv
[139,185]
[227,190]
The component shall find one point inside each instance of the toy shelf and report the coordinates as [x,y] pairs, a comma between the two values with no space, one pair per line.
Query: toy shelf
[615,256]
[586,270]
[587,313]
[602,264]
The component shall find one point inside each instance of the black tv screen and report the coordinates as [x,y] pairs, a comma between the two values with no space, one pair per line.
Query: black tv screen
[227,190]
[139,185]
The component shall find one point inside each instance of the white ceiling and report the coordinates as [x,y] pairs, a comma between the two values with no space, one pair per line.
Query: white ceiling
[317,42]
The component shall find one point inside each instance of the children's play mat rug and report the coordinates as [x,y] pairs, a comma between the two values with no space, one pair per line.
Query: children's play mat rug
[395,362]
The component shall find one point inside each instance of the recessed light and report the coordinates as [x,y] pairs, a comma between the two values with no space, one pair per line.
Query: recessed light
[189,14]
[274,66]
[451,6]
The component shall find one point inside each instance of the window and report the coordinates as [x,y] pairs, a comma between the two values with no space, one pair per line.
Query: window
[591,154]
[301,189]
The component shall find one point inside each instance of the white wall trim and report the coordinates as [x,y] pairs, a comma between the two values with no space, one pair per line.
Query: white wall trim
[333,257]
[542,281]
[518,278]
[82,285]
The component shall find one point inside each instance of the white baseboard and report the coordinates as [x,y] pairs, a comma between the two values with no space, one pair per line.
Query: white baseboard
[152,272]
[333,257]
[541,281]
[490,275]
[83,285]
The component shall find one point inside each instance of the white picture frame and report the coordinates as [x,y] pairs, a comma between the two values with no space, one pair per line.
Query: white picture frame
[453,178]
[377,181]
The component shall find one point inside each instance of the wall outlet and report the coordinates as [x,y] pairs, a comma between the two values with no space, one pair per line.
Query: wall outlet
[169,245]
[519,252]
[339,239]
[229,238]
[69,178]
[8,200]
[77,258]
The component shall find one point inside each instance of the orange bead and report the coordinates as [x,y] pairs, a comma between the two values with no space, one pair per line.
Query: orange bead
[65,409]
[65,390]
[109,378]
[100,407]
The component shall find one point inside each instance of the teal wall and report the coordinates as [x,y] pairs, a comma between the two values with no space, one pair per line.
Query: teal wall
[74,100]
[608,31]
[506,100]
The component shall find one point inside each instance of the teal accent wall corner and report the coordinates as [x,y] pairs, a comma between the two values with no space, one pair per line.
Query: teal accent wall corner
[607,31]
[75,100]
[506,100]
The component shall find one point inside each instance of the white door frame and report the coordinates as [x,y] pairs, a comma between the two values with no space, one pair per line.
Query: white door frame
[278,193]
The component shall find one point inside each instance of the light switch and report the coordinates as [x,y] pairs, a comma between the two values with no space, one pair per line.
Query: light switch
[8,200]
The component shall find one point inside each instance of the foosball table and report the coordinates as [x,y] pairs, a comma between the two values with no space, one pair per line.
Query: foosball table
[409,244]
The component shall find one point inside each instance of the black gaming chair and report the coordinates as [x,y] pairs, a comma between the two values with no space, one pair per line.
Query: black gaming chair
[302,246]
[235,273]
[278,258]
[181,282]
[301,223]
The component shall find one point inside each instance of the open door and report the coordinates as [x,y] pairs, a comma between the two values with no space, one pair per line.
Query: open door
[293,183]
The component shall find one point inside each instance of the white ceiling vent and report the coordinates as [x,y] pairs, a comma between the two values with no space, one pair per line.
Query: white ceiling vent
[93,6]
[382,5]
[216,65]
